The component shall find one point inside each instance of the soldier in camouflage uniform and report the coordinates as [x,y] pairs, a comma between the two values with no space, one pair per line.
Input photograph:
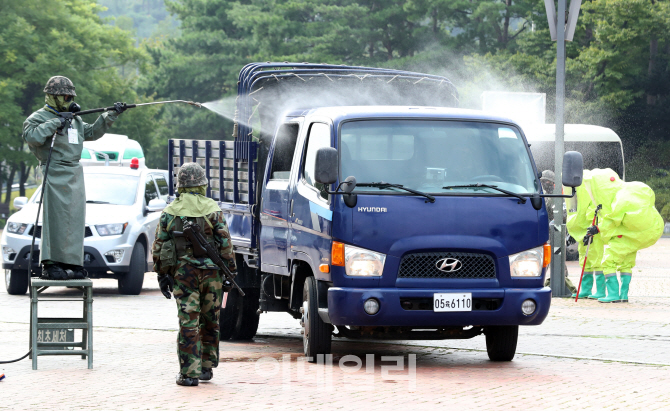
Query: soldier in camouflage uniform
[196,282]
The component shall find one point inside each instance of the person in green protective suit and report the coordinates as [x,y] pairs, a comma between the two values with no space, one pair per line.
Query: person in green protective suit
[581,210]
[629,222]
[64,208]
[195,281]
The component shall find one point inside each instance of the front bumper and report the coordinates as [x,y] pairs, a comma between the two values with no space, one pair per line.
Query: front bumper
[94,263]
[345,307]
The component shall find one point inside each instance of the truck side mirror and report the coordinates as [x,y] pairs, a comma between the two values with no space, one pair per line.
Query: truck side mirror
[325,167]
[573,169]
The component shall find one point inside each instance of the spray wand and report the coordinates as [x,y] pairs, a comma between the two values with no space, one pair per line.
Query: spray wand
[103,109]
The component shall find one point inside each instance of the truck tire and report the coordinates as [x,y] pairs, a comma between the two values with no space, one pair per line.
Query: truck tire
[16,281]
[501,342]
[131,283]
[228,315]
[247,317]
[316,334]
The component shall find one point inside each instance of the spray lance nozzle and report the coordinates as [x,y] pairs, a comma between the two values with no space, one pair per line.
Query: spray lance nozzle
[111,108]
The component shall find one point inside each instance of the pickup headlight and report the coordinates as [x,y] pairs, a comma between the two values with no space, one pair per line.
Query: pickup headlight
[527,263]
[360,262]
[111,229]
[16,228]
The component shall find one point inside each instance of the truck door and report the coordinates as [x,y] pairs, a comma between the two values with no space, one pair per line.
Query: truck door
[274,204]
[310,211]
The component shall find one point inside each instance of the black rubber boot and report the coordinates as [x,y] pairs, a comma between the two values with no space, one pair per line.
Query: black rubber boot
[186,381]
[54,272]
[78,272]
[206,374]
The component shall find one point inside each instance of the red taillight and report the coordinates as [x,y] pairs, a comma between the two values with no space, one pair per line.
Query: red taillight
[135,163]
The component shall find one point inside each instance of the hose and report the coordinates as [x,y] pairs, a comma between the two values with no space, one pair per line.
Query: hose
[18,359]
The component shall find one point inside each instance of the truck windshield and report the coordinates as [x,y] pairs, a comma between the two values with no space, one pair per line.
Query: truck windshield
[431,155]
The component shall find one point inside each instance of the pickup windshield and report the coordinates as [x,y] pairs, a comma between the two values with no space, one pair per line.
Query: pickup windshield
[432,156]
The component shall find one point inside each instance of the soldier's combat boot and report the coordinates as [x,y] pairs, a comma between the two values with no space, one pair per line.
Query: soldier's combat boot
[600,286]
[206,374]
[587,285]
[612,284]
[625,283]
[186,381]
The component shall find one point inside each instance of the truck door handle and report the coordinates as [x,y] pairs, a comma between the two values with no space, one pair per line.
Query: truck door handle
[291,209]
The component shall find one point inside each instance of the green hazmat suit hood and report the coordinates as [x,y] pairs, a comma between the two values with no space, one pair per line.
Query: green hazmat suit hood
[604,185]
[192,203]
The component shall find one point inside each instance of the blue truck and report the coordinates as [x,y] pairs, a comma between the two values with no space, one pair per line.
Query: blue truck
[364,204]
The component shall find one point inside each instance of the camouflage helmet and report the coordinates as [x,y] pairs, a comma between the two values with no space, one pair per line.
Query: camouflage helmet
[191,175]
[60,86]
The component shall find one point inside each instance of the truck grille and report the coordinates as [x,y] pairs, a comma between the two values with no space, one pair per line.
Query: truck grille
[87,231]
[424,265]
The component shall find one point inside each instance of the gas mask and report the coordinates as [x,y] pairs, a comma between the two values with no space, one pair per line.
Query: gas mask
[62,103]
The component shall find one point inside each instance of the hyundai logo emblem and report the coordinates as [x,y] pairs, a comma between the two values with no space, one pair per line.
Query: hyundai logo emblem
[448,265]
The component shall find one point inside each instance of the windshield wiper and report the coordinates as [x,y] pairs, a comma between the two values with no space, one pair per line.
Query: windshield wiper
[382,185]
[96,202]
[521,198]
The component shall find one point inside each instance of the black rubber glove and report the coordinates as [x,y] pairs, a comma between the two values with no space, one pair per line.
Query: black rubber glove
[166,283]
[590,232]
[65,121]
[120,107]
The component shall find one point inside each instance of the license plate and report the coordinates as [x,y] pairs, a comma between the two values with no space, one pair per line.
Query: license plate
[452,302]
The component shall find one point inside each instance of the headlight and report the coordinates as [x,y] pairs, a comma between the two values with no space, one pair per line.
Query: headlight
[8,254]
[527,263]
[116,255]
[362,262]
[111,229]
[16,228]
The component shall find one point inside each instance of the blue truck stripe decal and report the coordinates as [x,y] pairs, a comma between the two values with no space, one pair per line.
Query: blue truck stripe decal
[321,211]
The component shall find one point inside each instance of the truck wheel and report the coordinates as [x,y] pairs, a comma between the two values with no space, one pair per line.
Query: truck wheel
[247,318]
[501,342]
[131,282]
[16,281]
[228,315]
[315,333]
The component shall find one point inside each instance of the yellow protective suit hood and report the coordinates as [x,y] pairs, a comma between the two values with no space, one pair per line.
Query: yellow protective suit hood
[192,203]
[629,212]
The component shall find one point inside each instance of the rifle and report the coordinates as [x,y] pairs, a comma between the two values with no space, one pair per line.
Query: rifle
[202,247]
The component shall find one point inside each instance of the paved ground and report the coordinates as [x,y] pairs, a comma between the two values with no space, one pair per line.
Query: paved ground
[586,354]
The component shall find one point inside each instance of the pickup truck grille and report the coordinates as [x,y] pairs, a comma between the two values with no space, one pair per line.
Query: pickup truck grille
[87,232]
[424,265]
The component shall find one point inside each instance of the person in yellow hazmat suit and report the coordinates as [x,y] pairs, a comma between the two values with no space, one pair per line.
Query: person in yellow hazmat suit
[629,222]
[581,210]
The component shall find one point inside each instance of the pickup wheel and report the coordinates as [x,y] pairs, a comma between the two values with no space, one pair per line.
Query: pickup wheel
[16,281]
[228,315]
[316,334]
[131,283]
[247,317]
[501,342]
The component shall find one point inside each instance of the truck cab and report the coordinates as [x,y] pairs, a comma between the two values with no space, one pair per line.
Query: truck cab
[392,222]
